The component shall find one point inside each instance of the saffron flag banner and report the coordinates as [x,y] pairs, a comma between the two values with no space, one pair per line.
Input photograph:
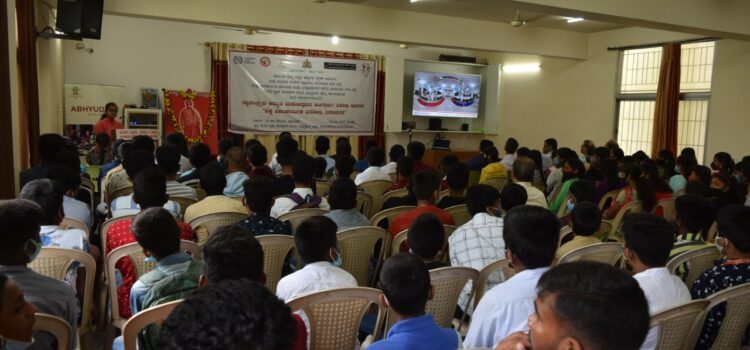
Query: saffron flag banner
[269,93]
[192,114]
[84,103]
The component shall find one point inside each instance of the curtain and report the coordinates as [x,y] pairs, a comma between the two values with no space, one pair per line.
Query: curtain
[28,90]
[667,101]
[7,174]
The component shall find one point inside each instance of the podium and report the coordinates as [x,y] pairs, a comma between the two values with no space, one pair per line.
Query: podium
[433,157]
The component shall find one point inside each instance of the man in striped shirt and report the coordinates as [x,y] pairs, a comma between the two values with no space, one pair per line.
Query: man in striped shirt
[168,160]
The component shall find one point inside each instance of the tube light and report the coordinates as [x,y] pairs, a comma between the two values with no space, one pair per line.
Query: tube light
[574,19]
[335,40]
[521,68]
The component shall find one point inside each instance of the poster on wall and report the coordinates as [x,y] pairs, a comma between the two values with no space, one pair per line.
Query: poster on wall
[84,106]
[150,98]
[307,95]
[192,114]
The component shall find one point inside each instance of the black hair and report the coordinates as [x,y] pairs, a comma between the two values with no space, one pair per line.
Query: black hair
[69,159]
[424,184]
[342,194]
[643,187]
[650,237]
[552,143]
[405,281]
[649,169]
[156,230]
[48,195]
[320,167]
[225,144]
[523,152]
[447,160]
[405,166]
[479,197]
[415,150]
[426,236]
[342,140]
[370,143]
[531,234]
[120,148]
[587,296]
[20,220]
[3,281]
[694,212]
[586,218]
[142,142]
[485,144]
[564,154]
[106,108]
[65,177]
[536,156]
[314,238]
[232,253]
[237,157]
[232,314]
[259,193]
[212,179]
[513,195]
[322,144]
[286,149]
[285,135]
[136,161]
[457,175]
[609,170]
[640,156]
[102,139]
[734,224]
[618,153]
[249,143]
[343,149]
[375,156]
[511,145]
[687,164]
[178,140]
[578,168]
[601,152]
[493,154]
[396,152]
[584,191]
[703,173]
[523,169]
[258,155]
[199,155]
[345,165]
[49,146]
[689,152]
[168,159]
[150,188]
[303,169]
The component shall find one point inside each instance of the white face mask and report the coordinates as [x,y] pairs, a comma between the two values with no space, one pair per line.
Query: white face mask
[718,246]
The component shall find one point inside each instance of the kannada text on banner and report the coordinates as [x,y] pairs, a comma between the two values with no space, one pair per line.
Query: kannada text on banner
[313,95]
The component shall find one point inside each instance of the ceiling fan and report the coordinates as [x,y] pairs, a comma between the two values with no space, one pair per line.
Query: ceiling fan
[517,21]
[246,30]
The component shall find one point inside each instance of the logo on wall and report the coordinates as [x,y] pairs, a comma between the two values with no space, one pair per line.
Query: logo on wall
[237,60]
[75,92]
[265,61]
[306,64]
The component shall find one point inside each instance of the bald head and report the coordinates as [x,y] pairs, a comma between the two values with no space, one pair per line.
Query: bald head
[523,169]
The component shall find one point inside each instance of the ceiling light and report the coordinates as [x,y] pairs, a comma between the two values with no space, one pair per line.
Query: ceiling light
[521,68]
[335,40]
[574,19]
[413,1]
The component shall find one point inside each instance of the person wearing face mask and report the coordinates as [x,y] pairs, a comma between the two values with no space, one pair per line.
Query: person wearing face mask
[724,192]
[637,189]
[733,239]
[573,170]
[16,317]
[683,170]
[107,123]
[20,223]
[723,163]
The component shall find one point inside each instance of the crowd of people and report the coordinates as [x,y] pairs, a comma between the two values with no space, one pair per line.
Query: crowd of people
[583,305]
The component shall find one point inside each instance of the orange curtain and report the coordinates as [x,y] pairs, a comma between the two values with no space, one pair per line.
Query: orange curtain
[667,101]
[7,176]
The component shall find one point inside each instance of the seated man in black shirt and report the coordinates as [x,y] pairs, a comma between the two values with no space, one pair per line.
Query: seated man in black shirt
[286,150]
[457,176]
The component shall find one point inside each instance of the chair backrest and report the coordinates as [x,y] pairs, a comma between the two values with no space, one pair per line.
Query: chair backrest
[121,192]
[502,265]
[296,217]
[389,214]
[205,225]
[157,314]
[322,187]
[633,207]
[444,193]
[736,317]
[364,203]
[105,228]
[675,325]
[91,194]
[394,177]
[448,283]
[335,315]
[56,326]
[608,198]
[358,248]
[667,209]
[401,237]
[135,253]
[460,214]
[608,253]
[68,223]
[395,193]
[375,188]
[275,250]
[184,202]
[498,182]
[603,230]
[712,231]
[564,231]
[564,207]
[55,262]
[698,261]
[201,193]
[87,183]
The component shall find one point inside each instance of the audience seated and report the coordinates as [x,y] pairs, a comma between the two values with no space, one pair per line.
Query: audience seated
[199,155]
[550,154]
[745,182]
[119,149]
[683,170]
[322,145]
[694,217]
[555,172]
[20,223]
[637,189]
[213,181]
[16,316]
[648,240]
[585,220]
[734,241]
[723,163]
[177,140]
[344,166]
[523,174]
[404,170]
[511,146]
[286,149]
[259,200]
[397,151]
[101,153]
[415,150]
[69,182]
[136,163]
[445,163]
[49,145]
[573,170]
[480,160]
[723,191]
[119,176]
[342,197]
[478,242]
[236,165]
[303,196]
[494,167]
[457,177]
[610,180]
[258,156]
[275,165]
[224,145]
[584,305]
[530,234]
[424,186]
[375,159]
[513,195]
[405,281]
[362,164]
[426,239]
[168,160]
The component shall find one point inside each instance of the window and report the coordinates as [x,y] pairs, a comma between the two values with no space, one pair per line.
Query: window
[636,96]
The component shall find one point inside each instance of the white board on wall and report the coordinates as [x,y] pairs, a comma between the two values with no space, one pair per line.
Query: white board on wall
[84,103]
[301,94]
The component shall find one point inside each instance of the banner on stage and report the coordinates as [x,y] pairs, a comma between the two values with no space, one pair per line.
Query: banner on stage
[192,114]
[84,103]
[129,134]
[301,94]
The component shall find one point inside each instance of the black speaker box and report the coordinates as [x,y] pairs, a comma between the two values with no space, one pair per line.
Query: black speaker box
[80,18]
[435,124]
[462,59]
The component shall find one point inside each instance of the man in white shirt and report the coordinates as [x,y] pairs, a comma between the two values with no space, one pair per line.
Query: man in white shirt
[648,242]
[375,158]
[303,173]
[479,242]
[523,174]
[145,190]
[511,146]
[274,164]
[168,160]
[396,152]
[530,234]
[69,181]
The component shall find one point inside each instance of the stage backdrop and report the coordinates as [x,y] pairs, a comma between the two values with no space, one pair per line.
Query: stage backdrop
[301,94]
[192,114]
[84,103]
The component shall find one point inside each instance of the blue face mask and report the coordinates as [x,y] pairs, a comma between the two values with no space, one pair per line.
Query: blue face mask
[677,169]
[149,259]
[9,344]
[570,206]
[37,249]
[738,178]
[337,262]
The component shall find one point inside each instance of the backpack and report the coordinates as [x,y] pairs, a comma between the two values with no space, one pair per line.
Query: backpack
[303,203]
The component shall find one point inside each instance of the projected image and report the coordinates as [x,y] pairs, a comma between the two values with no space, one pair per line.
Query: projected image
[446,95]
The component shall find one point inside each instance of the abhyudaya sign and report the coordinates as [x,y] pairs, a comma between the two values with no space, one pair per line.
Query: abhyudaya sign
[84,103]
[301,94]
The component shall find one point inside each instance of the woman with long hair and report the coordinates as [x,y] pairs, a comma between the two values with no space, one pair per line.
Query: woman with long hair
[638,189]
[536,156]
[107,123]
[683,170]
[573,170]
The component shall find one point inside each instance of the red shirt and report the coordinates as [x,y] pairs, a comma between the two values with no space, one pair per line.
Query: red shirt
[401,183]
[107,126]
[118,235]
[300,337]
[403,221]
[419,166]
